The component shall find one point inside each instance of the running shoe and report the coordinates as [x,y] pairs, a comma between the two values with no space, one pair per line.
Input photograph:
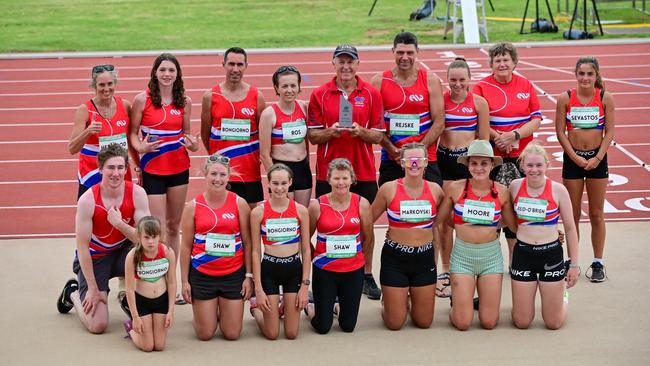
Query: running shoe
[64,303]
[336,309]
[252,304]
[128,325]
[596,272]
[310,302]
[370,287]
[124,305]
[121,288]
[180,300]
[476,303]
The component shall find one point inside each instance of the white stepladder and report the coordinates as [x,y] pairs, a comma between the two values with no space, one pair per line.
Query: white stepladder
[472,22]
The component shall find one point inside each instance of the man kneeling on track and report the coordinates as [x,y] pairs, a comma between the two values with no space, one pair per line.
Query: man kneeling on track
[104,232]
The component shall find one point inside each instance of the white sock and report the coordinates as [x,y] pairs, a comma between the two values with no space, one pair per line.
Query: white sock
[599,260]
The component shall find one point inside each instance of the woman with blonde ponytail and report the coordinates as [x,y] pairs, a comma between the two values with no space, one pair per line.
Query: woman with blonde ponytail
[538,255]
[584,123]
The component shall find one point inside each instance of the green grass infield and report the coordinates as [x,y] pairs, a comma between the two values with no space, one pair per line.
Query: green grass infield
[131,25]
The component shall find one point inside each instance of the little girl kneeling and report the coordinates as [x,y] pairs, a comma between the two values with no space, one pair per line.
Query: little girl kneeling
[148,283]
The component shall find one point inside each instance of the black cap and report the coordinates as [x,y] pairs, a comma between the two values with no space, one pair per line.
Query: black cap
[346,49]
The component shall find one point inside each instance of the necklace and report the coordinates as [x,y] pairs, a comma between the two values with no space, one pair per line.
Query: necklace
[105,112]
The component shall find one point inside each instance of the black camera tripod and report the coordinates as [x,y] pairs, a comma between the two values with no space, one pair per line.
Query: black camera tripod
[584,16]
[523,19]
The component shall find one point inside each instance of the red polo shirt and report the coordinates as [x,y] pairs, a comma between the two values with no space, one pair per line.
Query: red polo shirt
[367,112]
[512,105]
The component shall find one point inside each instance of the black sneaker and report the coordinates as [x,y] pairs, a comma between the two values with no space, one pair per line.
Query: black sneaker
[370,287]
[596,272]
[125,307]
[64,303]
[476,303]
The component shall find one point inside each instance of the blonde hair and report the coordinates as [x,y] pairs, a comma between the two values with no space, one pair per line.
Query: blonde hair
[216,159]
[533,148]
[413,146]
[341,164]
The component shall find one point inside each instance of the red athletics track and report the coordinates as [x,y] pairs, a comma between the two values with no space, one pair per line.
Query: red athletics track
[38,98]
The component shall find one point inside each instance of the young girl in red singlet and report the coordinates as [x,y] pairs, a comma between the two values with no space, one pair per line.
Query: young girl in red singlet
[149,283]
[281,225]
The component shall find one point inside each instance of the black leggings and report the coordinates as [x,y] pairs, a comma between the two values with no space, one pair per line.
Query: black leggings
[327,285]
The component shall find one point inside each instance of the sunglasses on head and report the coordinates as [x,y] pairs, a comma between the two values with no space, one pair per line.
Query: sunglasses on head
[286,68]
[101,68]
[219,159]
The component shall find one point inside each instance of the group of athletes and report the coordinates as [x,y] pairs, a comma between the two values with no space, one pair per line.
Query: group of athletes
[441,153]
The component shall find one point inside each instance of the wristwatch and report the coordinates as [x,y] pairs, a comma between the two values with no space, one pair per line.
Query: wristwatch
[249,275]
[517,135]
[306,282]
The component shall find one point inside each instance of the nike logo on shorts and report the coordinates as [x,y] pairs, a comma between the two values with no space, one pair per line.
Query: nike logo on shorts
[548,268]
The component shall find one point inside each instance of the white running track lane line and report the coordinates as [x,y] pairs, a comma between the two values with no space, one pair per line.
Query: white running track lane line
[33,142]
[38,124]
[37,161]
[566,69]
[617,126]
[35,124]
[122,92]
[146,78]
[198,105]
[620,148]
[40,182]
[632,156]
[133,92]
[256,64]
[21,236]
[35,207]
[571,73]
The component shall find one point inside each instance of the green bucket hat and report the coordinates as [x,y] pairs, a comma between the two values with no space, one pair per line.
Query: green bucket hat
[480,148]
